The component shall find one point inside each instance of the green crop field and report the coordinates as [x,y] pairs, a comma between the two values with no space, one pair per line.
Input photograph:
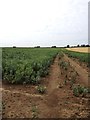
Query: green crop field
[37,73]
[0,57]
[26,65]
[82,57]
[0,63]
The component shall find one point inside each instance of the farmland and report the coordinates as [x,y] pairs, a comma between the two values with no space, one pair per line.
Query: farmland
[82,57]
[80,49]
[44,83]
[0,63]
[0,56]
[26,65]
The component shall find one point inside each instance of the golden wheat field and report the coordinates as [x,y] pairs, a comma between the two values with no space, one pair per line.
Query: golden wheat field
[80,49]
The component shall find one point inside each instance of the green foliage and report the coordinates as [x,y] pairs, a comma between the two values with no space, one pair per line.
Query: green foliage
[89,90]
[73,79]
[0,57]
[41,89]
[34,111]
[85,91]
[71,84]
[26,65]
[60,55]
[82,57]
[78,90]
[64,65]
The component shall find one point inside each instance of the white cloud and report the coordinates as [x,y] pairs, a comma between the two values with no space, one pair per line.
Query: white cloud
[44,22]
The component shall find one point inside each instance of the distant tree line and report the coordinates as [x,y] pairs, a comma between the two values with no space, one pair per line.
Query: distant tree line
[83,45]
[37,47]
[68,46]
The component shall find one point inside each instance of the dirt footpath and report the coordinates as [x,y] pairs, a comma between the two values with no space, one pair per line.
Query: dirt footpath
[24,101]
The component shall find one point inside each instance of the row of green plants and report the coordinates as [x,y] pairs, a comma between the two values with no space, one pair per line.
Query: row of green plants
[79,90]
[82,57]
[26,65]
[41,89]
[65,65]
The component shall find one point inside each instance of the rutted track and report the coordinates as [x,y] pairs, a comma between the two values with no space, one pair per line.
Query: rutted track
[81,72]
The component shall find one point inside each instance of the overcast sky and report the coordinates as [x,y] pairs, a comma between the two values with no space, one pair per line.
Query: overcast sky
[43,22]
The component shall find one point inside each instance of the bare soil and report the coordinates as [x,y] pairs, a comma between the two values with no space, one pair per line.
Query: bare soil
[24,101]
[82,64]
[81,71]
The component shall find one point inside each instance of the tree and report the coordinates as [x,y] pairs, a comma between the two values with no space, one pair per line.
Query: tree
[37,47]
[14,46]
[78,46]
[68,46]
[87,45]
[53,47]
[83,45]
